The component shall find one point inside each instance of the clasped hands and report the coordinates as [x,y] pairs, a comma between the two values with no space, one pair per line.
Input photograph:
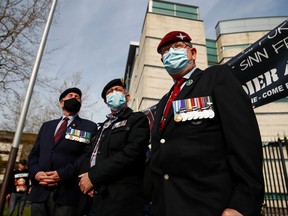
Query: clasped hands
[86,185]
[49,179]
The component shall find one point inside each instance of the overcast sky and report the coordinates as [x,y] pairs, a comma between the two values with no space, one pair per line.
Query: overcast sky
[95,35]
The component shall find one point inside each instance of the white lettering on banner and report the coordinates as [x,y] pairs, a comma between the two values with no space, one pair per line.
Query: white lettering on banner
[254,100]
[257,58]
[273,91]
[277,31]
[280,44]
[261,81]
[286,84]
[286,70]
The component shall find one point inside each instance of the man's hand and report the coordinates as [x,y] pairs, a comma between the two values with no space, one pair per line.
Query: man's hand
[91,193]
[48,179]
[40,175]
[85,184]
[231,212]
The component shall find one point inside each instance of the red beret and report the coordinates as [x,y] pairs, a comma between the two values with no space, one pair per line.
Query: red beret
[173,37]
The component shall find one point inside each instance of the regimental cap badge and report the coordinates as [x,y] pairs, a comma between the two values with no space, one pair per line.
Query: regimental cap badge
[122,81]
[181,36]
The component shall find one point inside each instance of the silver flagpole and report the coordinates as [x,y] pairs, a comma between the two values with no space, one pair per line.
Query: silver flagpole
[20,126]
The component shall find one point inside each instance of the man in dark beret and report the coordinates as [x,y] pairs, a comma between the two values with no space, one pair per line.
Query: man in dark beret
[114,167]
[54,161]
[206,146]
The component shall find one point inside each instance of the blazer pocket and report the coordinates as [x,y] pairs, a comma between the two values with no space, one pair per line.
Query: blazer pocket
[119,137]
[199,122]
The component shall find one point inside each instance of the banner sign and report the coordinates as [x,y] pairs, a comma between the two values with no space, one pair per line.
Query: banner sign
[262,68]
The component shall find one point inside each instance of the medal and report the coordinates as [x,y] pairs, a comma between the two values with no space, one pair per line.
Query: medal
[201,115]
[211,113]
[189,116]
[177,118]
[195,115]
[184,116]
[206,114]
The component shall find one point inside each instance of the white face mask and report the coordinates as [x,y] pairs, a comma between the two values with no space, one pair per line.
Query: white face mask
[175,60]
[116,100]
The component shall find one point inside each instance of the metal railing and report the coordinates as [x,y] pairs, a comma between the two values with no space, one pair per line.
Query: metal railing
[275,168]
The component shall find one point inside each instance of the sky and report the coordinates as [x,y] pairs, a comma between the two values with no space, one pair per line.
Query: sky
[94,36]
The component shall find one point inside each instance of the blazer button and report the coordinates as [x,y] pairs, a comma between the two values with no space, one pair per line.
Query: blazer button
[162,141]
[166,176]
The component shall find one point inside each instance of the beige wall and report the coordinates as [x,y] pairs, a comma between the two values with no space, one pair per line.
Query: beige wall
[150,81]
[224,41]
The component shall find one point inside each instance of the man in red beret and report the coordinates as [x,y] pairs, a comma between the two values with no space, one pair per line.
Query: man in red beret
[206,146]
[115,165]
[54,161]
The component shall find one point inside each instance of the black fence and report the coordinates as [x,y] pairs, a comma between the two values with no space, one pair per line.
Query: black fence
[275,168]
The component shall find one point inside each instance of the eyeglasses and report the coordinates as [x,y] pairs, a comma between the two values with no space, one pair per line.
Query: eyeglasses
[115,88]
[177,45]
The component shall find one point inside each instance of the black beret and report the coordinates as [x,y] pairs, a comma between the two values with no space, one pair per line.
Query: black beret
[114,82]
[23,162]
[69,90]
[173,37]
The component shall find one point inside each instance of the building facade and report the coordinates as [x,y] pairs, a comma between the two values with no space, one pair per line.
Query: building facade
[147,80]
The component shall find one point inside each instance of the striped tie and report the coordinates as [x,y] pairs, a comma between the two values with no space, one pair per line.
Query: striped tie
[175,92]
[61,130]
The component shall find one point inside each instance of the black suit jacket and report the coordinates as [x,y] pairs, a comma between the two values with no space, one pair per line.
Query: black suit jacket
[64,157]
[118,174]
[210,164]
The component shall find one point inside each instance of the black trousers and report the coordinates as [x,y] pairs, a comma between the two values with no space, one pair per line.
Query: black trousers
[50,208]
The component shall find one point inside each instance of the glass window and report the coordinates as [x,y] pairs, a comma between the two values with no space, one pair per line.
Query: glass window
[172,9]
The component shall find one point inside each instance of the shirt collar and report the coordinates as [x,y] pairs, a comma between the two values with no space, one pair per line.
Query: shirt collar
[187,75]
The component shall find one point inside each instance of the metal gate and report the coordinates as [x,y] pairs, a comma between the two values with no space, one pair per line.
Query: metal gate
[275,168]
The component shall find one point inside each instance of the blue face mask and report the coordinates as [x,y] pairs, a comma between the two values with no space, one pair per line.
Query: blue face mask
[116,100]
[175,61]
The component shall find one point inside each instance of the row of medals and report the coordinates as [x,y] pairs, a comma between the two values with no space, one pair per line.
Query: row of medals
[194,115]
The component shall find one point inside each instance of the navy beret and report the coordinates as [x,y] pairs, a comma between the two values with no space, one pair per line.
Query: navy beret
[173,37]
[23,162]
[114,82]
[69,90]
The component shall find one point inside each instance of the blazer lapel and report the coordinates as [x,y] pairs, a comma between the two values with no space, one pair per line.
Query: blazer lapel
[160,109]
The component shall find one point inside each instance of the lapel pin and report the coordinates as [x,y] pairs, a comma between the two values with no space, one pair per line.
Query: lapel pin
[189,82]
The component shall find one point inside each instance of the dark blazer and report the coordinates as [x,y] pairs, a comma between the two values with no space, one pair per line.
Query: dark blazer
[210,164]
[64,157]
[118,174]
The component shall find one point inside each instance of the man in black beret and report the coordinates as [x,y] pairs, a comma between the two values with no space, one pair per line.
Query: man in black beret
[206,145]
[115,164]
[54,161]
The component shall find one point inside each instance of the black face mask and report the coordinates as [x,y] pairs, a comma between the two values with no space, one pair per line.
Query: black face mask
[72,105]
